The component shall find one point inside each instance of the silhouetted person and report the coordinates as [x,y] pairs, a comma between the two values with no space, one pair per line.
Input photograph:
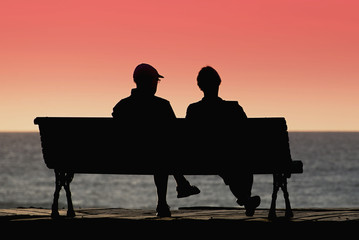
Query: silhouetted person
[213,111]
[144,108]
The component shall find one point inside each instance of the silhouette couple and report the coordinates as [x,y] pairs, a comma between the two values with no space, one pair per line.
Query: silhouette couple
[143,105]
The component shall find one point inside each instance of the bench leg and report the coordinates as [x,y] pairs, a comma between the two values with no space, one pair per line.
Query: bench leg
[288,209]
[280,181]
[62,180]
[70,207]
[55,204]
[276,184]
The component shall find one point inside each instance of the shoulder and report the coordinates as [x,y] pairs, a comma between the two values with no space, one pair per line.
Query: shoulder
[235,109]
[123,103]
[195,110]
[120,107]
[232,104]
[195,106]
[164,108]
[161,100]
[161,103]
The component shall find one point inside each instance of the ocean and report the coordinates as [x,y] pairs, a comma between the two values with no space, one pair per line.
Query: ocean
[330,178]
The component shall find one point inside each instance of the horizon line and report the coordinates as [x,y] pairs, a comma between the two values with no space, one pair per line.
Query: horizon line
[303,131]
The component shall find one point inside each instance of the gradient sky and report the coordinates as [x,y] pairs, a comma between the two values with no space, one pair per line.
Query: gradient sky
[293,58]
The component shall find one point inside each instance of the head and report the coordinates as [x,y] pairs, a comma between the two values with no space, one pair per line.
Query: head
[146,78]
[208,80]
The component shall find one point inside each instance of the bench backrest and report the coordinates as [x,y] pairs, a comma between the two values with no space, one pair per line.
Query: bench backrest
[106,145]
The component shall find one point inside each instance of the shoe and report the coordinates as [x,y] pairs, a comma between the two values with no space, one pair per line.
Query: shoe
[251,205]
[163,211]
[186,191]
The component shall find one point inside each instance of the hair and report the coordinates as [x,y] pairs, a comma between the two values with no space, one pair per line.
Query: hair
[208,77]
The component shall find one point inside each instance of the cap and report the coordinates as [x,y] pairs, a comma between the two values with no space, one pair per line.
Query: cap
[145,70]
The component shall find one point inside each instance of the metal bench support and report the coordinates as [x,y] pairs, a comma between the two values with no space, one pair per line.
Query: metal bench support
[62,180]
[280,181]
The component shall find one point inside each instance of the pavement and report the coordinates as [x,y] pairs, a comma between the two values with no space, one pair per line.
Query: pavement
[185,222]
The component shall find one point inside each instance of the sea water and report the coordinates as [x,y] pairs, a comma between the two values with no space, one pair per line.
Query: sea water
[330,178]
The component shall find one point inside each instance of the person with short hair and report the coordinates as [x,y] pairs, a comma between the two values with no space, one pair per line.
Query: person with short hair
[213,111]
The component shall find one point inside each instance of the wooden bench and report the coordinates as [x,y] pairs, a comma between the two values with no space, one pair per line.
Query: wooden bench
[109,146]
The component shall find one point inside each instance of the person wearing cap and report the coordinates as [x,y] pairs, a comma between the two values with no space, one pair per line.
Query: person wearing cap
[214,111]
[143,107]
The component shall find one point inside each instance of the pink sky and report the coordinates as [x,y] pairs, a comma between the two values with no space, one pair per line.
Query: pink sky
[292,58]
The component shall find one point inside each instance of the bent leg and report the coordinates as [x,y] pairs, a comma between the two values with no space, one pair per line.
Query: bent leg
[180,180]
[240,185]
[184,188]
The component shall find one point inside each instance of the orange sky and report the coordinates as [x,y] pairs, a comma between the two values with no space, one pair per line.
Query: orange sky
[293,58]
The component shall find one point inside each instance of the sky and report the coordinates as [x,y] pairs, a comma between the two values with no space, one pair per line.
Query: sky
[297,59]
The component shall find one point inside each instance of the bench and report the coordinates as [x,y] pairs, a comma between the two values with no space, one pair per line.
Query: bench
[108,146]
